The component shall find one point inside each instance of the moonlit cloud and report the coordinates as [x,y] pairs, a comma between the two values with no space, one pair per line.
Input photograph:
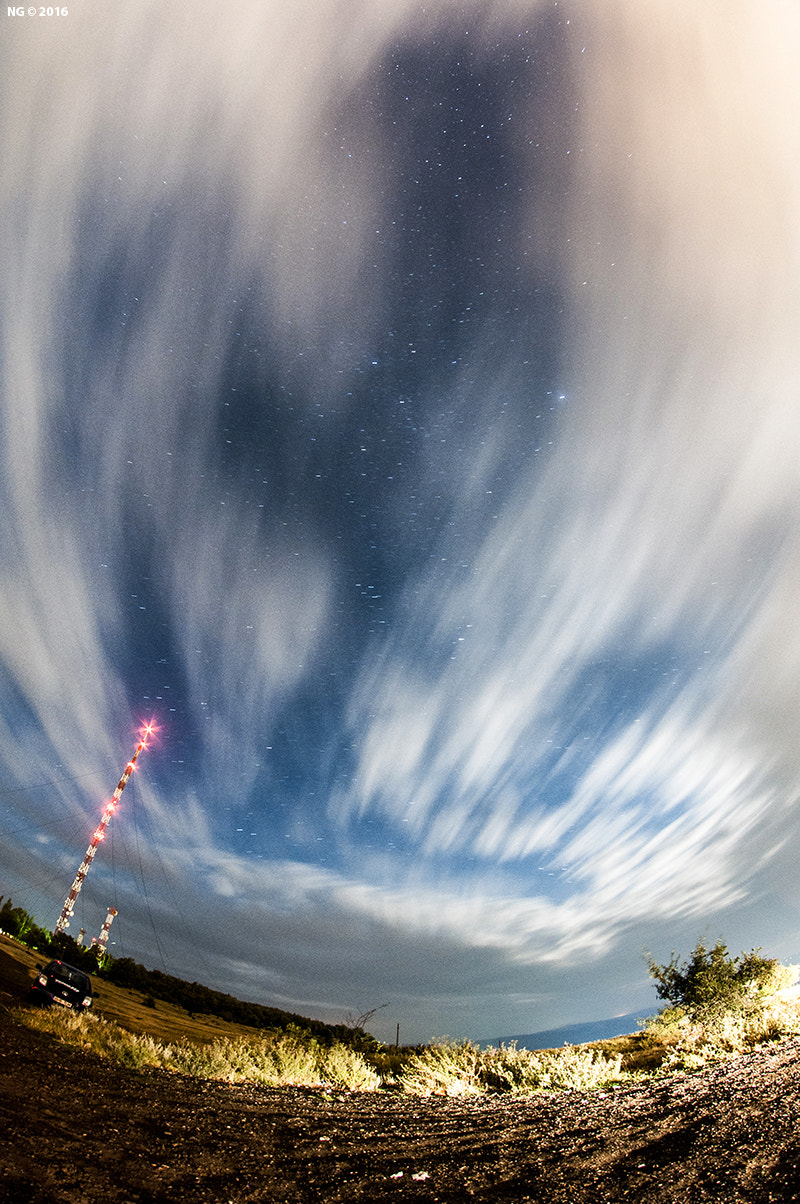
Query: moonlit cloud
[399,404]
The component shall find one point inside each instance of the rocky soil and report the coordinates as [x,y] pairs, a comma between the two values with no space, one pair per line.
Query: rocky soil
[75,1128]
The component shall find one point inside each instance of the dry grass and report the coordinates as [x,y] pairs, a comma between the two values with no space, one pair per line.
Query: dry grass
[461,1068]
[165,1022]
[126,1027]
[285,1059]
[683,1044]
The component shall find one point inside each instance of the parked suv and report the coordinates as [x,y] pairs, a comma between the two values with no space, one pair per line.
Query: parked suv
[62,984]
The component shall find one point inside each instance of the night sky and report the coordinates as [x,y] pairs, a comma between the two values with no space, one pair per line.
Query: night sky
[400,408]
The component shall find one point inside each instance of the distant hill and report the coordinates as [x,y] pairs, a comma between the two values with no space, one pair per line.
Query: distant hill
[574,1034]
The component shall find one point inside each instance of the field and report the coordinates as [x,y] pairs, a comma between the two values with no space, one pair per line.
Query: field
[77,1128]
[165,1021]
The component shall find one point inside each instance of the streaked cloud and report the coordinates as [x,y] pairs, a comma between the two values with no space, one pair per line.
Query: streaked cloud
[448,522]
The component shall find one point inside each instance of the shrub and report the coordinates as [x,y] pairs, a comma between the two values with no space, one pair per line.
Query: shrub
[668,1028]
[213,1061]
[280,1060]
[576,1068]
[505,1068]
[711,983]
[719,1006]
[92,1033]
[460,1069]
[346,1068]
[573,1068]
[447,1069]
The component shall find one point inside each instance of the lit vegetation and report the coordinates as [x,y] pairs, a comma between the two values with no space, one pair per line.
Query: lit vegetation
[719,1006]
[283,1059]
[465,1069]
[716,1006]
[294,1059]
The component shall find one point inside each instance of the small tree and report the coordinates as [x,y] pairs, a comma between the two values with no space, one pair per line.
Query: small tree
[712,983]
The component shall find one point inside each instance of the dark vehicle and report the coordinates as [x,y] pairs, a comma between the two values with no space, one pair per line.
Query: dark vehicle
[62,984]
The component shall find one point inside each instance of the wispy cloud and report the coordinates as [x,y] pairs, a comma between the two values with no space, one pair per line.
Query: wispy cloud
[458,553]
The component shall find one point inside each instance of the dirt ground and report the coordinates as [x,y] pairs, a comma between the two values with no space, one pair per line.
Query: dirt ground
[75,1128]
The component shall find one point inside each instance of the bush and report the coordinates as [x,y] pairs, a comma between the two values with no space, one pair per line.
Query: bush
[461,1069]
[447,1069]
[575,1069]
[713,984]
[719,1006]
[346,1068]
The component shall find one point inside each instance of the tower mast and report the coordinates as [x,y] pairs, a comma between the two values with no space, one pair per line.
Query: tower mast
[101,941]
[98,835]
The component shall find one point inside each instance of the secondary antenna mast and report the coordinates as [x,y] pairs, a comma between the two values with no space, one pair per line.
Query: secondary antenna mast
[100,942]
[99,834]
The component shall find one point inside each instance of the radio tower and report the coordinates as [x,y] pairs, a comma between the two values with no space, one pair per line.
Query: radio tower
[99,834]
[101,941]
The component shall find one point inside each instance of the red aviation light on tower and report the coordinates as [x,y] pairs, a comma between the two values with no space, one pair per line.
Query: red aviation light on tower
[146,730]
